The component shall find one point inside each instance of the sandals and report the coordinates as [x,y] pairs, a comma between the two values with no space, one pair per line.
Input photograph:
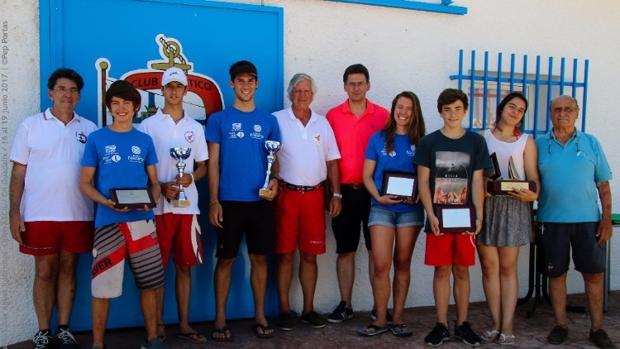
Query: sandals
[400,330]
[372,330]
[193,337]
[222,334]
[263,331]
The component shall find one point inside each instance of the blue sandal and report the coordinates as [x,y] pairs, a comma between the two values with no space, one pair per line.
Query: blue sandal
[371,330]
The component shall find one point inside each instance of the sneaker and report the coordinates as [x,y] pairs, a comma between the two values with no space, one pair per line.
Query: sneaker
[437,336]
[506,339]
[287,320]
[601,339]
[43,340]
[373,315]
[340,314]
[467,335]
[489,336]
[314,319]
[154,343]
[558,335]
[65,339]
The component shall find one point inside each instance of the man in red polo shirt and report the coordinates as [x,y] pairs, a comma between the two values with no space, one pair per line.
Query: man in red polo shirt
[353,122]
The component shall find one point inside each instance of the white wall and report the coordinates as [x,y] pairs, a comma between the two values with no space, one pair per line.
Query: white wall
[403,50]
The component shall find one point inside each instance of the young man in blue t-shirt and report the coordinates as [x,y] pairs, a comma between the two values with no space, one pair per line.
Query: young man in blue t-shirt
[116,157]
[450,164]
[236,171]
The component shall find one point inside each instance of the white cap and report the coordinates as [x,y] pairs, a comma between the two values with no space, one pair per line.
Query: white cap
[174,74]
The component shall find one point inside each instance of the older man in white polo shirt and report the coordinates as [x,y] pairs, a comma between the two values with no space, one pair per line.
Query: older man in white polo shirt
[176,220]
[309,155]
[49,217]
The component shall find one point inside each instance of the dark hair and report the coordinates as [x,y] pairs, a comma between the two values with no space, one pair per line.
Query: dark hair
[502,105]
[242,67]
[416,130]
[355,69]
[449,96]
[67,74]
[125,90]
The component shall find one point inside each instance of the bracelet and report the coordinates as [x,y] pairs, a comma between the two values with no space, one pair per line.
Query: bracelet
[337,195]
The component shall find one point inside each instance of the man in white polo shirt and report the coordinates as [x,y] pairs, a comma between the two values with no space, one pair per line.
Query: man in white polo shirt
[176,220]
[309,155]
[49,217]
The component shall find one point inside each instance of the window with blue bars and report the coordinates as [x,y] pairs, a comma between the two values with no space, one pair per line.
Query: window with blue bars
[488,79]
[440,6]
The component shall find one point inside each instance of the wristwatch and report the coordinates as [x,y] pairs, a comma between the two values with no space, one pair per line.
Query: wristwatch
[337,195]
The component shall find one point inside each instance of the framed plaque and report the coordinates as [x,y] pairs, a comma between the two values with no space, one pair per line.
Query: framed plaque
[400,184]
[132,197]
[455,218]
[505,186]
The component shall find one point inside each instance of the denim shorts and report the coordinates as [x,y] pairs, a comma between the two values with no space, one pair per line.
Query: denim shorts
[387,218]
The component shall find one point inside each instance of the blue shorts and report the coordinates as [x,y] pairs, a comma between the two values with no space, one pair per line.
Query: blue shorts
[387,218]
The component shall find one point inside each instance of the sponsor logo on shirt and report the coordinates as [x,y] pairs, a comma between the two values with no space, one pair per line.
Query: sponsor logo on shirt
[136,157]
[317,138]
[81,137]
[136,150]
[411,151]
[257,133]
[236,131]
[189,136]
[390,154]
[110,149]
[116,158]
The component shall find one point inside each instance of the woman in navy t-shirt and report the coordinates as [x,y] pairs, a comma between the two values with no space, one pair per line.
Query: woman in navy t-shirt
[394,221]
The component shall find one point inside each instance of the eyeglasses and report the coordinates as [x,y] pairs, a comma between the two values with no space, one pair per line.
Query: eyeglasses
[565,109]
[71,90]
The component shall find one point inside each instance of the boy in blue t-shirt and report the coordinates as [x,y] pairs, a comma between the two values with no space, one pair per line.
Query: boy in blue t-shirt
[450,164]
[236,171]
[118,157]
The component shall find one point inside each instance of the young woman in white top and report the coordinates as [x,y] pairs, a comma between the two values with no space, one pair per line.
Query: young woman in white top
[507,218]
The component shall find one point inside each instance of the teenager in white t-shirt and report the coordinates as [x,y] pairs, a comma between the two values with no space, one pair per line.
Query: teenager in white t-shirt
[177,225]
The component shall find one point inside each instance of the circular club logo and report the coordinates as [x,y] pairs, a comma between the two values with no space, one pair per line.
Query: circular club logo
[257,128]
[136,150]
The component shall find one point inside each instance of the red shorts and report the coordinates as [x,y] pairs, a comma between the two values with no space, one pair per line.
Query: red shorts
[179,234]
[300,221]
[48,237]
[450,249]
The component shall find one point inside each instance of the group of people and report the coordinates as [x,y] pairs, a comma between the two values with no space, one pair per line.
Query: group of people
[336,163]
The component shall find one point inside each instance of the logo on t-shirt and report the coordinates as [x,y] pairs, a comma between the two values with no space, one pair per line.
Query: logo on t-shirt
[317,138]
[136,157]
[257,128]
[81,137]
[411,151]
[257,132]
[136,150]
[236,131]
[116,158]
[110,149]
[451,177]
[189,136]
[391,154]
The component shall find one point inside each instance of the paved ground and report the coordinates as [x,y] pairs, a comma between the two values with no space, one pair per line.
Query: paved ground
[531,332]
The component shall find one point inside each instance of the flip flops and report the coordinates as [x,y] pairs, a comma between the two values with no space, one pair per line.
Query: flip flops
[193,337]
[400,330]
[263,331]
[222,334]
[372,330]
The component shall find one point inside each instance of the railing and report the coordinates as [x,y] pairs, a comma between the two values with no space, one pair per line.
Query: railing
[483,84]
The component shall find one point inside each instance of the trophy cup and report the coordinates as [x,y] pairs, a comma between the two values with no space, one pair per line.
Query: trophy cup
[180,154]
[272,147]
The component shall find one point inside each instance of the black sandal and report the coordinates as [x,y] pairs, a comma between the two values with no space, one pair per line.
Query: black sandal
[263,331]
[222,334]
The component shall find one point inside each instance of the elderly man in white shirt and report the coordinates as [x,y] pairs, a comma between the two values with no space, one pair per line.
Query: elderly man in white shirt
[308,157]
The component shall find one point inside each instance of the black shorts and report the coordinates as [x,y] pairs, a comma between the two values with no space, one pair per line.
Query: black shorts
[255,219]
[346,226]
[557,240]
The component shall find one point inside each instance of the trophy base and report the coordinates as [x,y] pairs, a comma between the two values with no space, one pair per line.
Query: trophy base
[180,203]
[264,193]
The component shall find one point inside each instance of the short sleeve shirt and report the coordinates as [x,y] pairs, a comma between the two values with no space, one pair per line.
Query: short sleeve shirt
[243,157]
[452,163]
[121,159]
[400,159]
[569,175]
[52,152]
[352,135]
[305,149]
[167,134]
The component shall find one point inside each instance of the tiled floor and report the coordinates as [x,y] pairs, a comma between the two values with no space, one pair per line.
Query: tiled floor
[531,332]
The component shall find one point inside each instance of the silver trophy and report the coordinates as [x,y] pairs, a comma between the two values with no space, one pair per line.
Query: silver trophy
[272,147]
[180,154]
